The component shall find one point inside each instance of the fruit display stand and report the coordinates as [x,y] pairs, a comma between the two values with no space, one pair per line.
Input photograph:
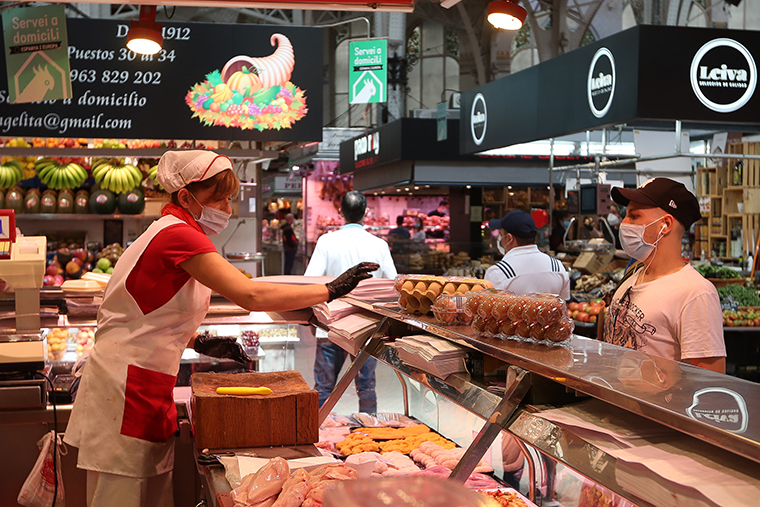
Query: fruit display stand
[541,376]
[130,221]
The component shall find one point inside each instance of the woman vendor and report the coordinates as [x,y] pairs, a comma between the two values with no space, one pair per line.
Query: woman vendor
[124,418]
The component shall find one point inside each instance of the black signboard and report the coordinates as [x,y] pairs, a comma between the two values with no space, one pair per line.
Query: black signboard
[202,85]
[416,139]
[403,139]
[648,73]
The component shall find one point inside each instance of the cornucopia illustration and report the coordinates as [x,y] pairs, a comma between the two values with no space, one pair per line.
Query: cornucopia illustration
[251,93]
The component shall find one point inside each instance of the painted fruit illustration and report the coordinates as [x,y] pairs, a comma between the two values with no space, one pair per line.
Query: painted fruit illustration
[251,92]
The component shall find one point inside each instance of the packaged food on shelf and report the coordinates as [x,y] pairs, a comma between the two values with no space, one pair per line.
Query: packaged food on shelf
[57,341]
[448,309]
[85,339]
[417,293]
[535,317]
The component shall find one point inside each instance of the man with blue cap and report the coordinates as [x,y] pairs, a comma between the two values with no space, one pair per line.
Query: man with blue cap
[525,269]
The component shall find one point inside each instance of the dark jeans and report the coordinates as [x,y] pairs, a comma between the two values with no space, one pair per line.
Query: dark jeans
[327,365]
[290,259]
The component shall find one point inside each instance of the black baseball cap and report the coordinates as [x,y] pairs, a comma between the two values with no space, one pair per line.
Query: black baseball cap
[517,223]
[669,195]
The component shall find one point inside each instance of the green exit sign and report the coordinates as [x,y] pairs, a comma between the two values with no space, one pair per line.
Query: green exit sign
[368,71]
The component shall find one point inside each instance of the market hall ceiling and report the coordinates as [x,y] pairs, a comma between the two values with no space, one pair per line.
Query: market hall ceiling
[327,5]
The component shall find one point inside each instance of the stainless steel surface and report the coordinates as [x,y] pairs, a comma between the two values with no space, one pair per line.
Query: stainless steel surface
[494,424]
[669,392]
[23,336]
[22,394]
[36,416]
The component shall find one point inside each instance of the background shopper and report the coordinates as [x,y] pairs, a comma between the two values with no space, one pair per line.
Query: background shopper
[665,308]
[333,251]
[525,269]
[124,418]
[289,243]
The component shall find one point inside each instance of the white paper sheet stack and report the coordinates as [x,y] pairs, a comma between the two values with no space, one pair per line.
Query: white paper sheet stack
[351,331]
[431,355]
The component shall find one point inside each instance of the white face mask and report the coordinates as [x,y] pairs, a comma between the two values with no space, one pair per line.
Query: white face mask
[501,248]
[613,219]
[212,220]
[632,240]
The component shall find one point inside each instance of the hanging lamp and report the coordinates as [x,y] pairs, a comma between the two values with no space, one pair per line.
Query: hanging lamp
[144,36]
[506,15]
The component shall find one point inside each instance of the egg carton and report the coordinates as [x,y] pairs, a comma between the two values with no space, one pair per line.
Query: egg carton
[417,293]
[540,318]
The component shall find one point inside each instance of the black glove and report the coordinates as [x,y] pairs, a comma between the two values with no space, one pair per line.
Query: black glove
[346,282]
[220,347]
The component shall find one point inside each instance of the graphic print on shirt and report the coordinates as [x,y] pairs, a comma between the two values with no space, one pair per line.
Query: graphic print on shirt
[630,330]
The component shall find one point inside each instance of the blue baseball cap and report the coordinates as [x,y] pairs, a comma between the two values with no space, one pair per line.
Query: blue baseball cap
[516,222]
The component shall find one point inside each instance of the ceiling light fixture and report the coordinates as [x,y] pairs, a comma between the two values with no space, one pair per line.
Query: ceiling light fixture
[506,15]
[144,36]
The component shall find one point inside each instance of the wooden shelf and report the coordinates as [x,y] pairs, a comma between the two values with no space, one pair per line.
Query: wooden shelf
[81,217]
[734,188]
[255,155]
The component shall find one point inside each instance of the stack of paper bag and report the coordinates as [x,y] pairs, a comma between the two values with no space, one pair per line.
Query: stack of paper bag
[432,355]
[350,332]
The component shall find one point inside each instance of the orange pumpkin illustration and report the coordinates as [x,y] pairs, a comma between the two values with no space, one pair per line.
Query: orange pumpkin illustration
[246,78]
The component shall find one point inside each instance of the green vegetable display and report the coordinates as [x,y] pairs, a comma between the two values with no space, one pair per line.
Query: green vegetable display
[745,296]
[710,271]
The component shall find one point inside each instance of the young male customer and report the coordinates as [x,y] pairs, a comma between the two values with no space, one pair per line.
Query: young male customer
[525,269]
[665,308]
[338,249]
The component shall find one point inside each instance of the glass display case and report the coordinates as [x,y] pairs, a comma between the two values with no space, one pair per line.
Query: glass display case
[597,424]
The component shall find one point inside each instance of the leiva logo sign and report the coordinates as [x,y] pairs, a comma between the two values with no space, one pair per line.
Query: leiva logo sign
[478,119]
[723,75]
[601,82]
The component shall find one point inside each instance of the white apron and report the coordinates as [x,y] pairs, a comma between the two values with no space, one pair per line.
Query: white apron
[124,418]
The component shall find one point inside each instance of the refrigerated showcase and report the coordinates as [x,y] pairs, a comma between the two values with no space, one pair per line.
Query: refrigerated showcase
[698,416]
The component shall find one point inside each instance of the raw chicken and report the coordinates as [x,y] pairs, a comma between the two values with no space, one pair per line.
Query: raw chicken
[257,488]
[323,478]
[317,494]
[294,490]
[399,464]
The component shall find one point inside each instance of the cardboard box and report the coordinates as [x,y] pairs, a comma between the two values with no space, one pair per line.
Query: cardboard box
[592,262]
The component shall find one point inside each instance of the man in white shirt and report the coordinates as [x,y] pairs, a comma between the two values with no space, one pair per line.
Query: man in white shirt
[665,308]
[525,269]
[333,250]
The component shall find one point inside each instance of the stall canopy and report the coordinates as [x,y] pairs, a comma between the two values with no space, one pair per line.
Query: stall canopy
[407,151]
[641,77]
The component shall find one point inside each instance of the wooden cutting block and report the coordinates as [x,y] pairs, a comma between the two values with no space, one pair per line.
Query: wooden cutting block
[288,416]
